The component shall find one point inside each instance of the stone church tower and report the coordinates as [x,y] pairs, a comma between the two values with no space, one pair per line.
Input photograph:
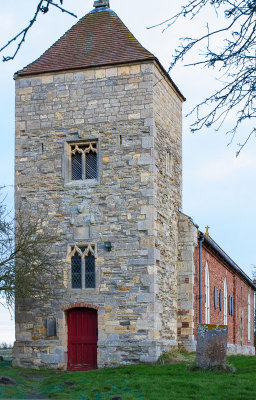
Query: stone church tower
[98,154]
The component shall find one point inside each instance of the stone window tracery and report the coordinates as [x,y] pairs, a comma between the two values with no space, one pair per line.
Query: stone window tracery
[83,274]
[84,161]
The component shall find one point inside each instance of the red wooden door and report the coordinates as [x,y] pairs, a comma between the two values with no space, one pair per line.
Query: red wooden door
[82,339]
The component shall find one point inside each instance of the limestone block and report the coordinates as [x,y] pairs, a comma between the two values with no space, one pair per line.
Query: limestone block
[147,242]
[79,76]
[46,79]
[147,68]
[147,209]
[122,71]
[131,86]
[146,113]
[147,142]
[135,69]
[89,74]
[20,126]
[146,280]
[23,83]
[111,72]
[134,116]
[69,77]
[100,73]
[145,225]
[81,232]
[36,81]
[145,298]
[143,324]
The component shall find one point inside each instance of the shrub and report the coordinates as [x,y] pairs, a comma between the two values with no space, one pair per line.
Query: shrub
[5,345]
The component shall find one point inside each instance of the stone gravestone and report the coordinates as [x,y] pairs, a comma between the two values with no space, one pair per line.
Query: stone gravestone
[211,350]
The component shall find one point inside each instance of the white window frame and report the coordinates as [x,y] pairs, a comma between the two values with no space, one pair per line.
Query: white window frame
[207,295]
[225,302]
[249,315]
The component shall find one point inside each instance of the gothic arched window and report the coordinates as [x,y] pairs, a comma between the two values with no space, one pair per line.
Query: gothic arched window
[83,267]
[220,299]
[207,295]
[84,161]
[76,271]
[249,315]
[225,302]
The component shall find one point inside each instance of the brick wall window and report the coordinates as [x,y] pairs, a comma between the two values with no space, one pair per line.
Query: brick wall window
[207,295]
[220,299]
[215,297]
[249,316]
[225,302]
[83,274]
[230,305]
[83,161]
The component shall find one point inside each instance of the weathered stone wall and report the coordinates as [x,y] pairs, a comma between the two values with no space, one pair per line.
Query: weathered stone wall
[168,189]
[114,106]
[186,280]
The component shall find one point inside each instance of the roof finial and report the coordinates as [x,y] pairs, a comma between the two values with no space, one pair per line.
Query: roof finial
[101,3]
[207,231]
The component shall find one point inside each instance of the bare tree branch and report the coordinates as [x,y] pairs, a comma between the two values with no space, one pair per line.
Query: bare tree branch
[42,7]
[236,60]
[27,261]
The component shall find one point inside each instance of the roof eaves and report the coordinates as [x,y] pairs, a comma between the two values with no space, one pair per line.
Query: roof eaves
[210,242]
[21,73]
[170,79]
[190,218]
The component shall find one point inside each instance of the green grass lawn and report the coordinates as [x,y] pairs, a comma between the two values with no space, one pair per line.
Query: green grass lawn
[159,382]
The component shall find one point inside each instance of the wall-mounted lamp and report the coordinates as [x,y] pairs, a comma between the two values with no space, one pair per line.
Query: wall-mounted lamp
[108,246]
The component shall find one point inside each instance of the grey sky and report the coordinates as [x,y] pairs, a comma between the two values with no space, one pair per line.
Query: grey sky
[218,189]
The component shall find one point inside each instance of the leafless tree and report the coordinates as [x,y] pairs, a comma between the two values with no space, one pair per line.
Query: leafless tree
[236,59]
[43,7]
[6,346]
[27,262]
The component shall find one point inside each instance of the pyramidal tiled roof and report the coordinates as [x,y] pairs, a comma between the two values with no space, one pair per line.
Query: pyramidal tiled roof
[99,38]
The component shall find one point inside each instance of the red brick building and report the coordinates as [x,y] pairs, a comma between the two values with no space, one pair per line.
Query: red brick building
[212,289]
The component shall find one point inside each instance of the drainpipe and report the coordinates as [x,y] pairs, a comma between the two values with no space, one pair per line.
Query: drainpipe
[201,239]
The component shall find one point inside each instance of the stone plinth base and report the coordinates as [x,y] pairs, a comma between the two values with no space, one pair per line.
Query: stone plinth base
[238,349]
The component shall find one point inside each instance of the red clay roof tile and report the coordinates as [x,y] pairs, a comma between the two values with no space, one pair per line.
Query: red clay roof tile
[99,38]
